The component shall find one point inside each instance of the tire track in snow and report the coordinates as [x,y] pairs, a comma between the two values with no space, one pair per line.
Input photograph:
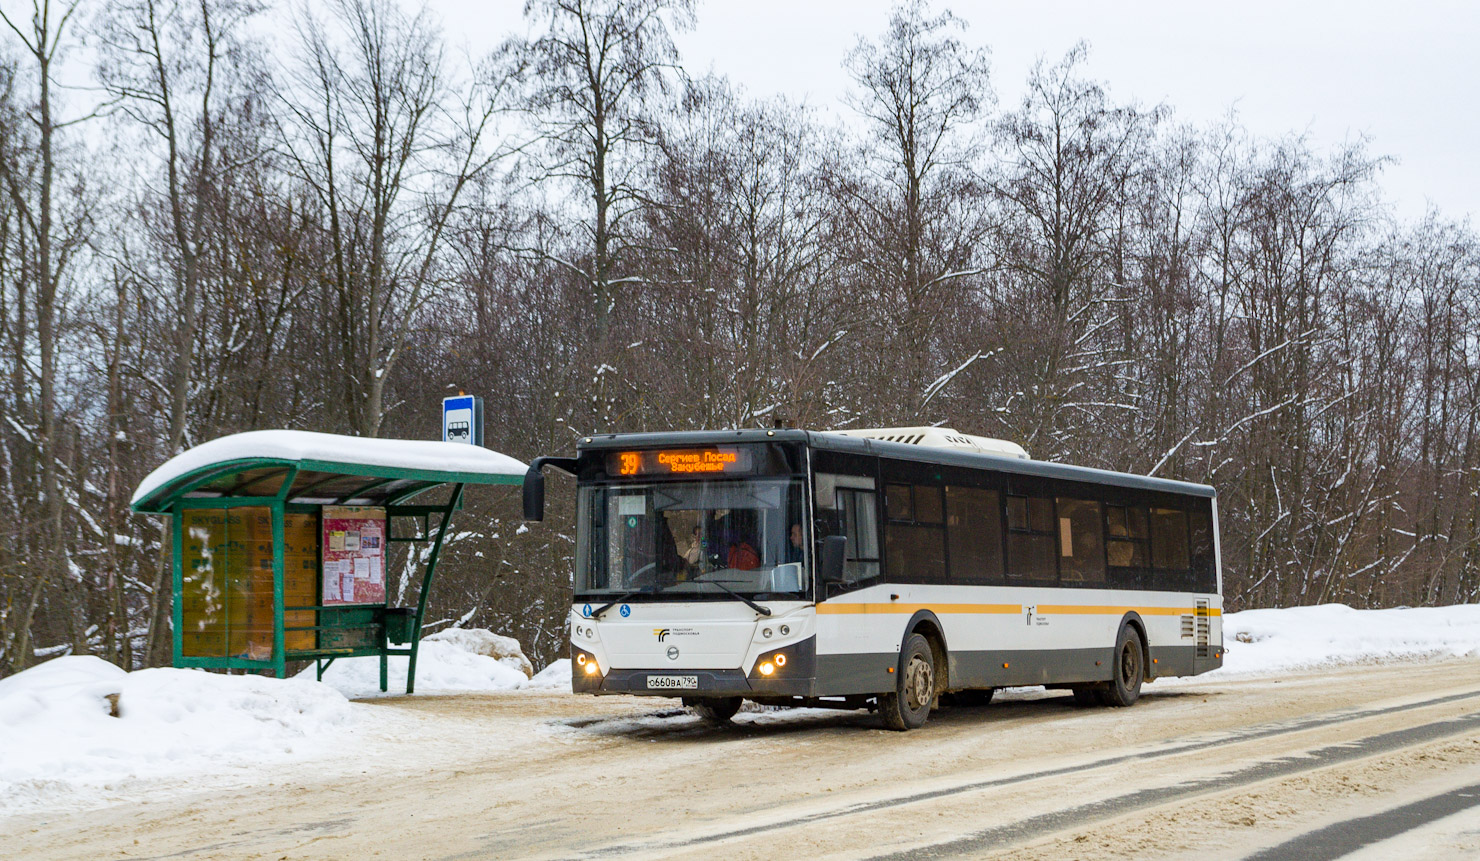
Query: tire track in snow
[1035,827]
[978,843]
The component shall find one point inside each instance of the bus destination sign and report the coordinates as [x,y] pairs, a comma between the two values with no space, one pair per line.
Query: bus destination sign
[678,461]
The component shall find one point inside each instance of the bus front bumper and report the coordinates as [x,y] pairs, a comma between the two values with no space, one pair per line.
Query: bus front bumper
[788,671]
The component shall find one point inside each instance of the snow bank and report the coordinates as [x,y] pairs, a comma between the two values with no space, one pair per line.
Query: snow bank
[555,677]
[60,739]
[452,660]
[60,742]
[505,650]
[1259,642]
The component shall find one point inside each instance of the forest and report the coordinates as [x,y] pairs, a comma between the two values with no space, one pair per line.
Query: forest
[223,215]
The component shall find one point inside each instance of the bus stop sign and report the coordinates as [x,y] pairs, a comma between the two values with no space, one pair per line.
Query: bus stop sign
[462,419]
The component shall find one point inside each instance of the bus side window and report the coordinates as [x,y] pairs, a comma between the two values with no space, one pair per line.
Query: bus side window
[858,513]
[1204,568]
[1031,539]
[1126,538]
[914,537]
[1169,557]
[1081,550]
[974,535]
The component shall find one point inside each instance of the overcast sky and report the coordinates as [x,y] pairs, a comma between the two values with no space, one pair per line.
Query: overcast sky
[1405,74]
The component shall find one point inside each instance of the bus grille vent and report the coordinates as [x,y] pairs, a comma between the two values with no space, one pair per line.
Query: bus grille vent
[1204,629]
[1187,627]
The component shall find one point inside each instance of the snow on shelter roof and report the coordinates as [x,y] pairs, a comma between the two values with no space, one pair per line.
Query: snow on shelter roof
[330,469]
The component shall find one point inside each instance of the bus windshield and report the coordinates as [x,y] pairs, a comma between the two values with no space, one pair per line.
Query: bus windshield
[691,537]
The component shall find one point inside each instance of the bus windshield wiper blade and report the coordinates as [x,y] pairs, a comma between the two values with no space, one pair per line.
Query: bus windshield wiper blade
[654,589]
[764,611]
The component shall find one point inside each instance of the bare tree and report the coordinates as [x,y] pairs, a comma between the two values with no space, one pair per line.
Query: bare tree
[1069,156]
[52,237]
[160,63]
[593,67]
[924,94]
[369,133]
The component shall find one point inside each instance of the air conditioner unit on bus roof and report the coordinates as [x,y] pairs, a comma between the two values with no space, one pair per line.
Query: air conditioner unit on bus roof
[935,437]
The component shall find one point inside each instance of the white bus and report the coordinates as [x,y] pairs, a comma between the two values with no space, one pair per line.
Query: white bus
[878,569]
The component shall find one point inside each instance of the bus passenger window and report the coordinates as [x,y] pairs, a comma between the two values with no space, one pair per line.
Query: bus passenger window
[914,543]
[974,535]
[1126,539]
[1169,545]
[897,502]
[1081,553]
[1204,570]
[860,523]
[1031,539]
[927,505]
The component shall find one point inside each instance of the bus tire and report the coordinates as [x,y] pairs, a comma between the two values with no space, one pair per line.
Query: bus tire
[1127,671]
[908,705]
[714,710]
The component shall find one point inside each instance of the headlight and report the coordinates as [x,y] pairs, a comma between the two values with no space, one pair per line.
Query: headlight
[783,661]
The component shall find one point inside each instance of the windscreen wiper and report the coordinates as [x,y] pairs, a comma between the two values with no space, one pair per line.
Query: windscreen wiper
[645,590]
[764,611]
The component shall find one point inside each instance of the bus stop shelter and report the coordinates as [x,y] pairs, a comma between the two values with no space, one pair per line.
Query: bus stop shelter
[282,541]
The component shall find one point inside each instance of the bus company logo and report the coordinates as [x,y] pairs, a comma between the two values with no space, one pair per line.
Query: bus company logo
[672,653]
[664,633]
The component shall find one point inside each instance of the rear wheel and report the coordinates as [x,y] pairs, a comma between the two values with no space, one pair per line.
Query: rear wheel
[909,704]
[715,710]
[1128,671]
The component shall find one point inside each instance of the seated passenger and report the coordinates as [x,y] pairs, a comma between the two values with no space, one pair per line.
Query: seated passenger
[695,554]
[742,556]
[795,552]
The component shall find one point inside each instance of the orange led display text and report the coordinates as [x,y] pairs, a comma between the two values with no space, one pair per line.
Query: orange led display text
[683,461]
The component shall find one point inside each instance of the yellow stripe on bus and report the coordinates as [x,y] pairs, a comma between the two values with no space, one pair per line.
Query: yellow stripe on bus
[894,607]
[897,607]
[1086,610]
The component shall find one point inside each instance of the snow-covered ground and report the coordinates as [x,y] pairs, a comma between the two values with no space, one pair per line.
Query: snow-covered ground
[1264,642]
[60,742]
[80,727]
[452,660]
[61,746]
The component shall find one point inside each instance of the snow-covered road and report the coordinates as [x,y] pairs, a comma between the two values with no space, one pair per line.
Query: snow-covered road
[1221,766]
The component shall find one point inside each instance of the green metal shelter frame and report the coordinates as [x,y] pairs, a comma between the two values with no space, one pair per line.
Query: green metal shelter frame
[288,485]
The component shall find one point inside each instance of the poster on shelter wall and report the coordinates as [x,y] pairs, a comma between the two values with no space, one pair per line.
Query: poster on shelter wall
[354,555]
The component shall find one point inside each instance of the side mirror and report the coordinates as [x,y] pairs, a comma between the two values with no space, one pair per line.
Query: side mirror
[834,550]
[534,493]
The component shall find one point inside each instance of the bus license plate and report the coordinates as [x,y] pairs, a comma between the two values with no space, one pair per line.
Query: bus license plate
[686,683]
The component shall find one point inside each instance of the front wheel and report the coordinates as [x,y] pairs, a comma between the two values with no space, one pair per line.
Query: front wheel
[715,710]
[908,705]
[1129,671]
